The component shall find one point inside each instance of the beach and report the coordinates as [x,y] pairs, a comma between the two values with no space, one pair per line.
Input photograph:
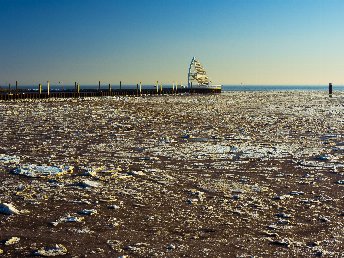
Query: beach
[237,174]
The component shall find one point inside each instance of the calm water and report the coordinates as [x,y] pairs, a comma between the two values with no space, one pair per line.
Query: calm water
[224,87]
[279,88]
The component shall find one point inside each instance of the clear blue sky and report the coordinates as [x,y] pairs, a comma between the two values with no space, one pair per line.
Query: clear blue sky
[249,41]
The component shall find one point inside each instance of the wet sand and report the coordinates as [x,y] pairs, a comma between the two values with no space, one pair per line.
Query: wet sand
[241,174]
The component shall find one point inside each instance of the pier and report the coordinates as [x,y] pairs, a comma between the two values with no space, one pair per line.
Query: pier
[77,92]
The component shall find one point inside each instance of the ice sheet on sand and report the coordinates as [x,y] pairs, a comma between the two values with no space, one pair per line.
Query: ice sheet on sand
[8,209]
[32,170]
[9,159]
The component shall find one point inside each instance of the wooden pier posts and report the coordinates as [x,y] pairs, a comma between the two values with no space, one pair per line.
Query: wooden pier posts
[48,87]
[62,90]
[330,89]
[10,94]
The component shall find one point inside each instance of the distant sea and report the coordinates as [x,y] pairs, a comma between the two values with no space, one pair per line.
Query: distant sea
[224,87]
[279,88]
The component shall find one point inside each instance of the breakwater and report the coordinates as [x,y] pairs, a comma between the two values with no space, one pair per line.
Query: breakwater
[82,93]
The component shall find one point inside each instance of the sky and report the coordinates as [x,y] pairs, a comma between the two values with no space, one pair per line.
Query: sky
[257,42]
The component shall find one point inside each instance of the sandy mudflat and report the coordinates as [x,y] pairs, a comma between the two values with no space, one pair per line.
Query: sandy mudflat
[242,174]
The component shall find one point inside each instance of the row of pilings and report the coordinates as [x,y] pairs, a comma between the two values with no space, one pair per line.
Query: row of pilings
[77,92]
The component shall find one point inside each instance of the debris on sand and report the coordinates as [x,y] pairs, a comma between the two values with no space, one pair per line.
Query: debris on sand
[56,250]
[8,209]
[12,241]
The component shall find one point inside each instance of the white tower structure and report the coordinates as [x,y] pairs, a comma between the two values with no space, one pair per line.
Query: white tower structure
[198,77]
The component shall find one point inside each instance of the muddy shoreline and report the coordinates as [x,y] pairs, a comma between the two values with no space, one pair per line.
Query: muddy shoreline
[241,174]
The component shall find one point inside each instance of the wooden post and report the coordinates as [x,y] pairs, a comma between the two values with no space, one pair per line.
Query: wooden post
[120,85]
[40,89]
[78,86]
[48,87]
[110,88]
[330,89]
[99,86]
[137,89]
[61,83]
